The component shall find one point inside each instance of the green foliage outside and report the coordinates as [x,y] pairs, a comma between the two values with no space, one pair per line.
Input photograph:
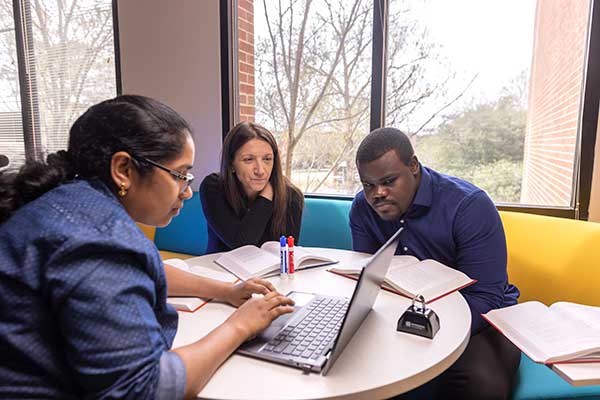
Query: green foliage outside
[483,145]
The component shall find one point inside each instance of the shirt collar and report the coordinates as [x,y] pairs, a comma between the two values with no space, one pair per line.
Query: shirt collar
[424,195]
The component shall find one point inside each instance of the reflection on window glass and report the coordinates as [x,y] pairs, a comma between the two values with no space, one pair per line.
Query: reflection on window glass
[304,73]
[485,101]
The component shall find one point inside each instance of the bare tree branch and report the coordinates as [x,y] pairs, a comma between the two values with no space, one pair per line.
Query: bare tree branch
[448,104]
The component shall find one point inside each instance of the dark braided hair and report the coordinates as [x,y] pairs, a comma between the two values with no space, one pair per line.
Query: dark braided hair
[138,125]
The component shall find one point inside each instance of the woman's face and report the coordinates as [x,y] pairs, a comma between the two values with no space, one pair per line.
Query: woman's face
[253,164]
[158,197]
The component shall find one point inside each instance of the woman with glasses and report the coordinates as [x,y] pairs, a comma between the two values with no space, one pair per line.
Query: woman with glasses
[83,291]
[250,201]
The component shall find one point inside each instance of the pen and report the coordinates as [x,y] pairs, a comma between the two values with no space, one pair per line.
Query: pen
[282,257]
[291,265]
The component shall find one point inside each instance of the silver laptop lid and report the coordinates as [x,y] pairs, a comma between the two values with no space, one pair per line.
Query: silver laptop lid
[364,296]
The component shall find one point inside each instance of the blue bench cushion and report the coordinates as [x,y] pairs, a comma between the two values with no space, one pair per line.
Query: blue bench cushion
[537,381]
[187,233]
[325,223]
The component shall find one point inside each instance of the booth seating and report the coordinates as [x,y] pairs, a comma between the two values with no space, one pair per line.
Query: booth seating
[186,236]
[552,259]
[549,259]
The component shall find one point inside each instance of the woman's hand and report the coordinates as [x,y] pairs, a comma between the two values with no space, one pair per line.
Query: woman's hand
[257,313]
[238,293]
[203,357]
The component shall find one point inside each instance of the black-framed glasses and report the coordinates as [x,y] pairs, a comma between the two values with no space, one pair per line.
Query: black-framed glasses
[187,178]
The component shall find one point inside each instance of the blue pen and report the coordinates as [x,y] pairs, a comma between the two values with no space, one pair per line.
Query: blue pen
[282,257]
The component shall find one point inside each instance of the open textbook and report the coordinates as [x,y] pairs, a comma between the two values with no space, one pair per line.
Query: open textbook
[250,261]
[192,304]
[410,277]
[563,332]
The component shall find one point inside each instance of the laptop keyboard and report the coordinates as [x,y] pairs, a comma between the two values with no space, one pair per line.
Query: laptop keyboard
[309,336]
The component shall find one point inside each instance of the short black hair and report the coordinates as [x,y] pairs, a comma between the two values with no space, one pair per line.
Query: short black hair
[382,140]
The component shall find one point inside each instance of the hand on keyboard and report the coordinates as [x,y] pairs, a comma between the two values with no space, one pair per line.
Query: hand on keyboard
[257,313]
[240,292]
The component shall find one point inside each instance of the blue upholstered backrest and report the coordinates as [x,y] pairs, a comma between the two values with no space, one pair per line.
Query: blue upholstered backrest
[187,232]
[325,223]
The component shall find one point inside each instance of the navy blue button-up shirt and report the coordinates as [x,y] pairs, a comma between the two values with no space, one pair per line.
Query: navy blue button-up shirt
[450,221]
[83,310]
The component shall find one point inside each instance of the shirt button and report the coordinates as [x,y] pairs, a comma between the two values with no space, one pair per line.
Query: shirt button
[405,248]
[401,221]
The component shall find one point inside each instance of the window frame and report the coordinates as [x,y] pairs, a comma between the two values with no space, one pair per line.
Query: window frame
[117,44]
[588,112]
[28,93]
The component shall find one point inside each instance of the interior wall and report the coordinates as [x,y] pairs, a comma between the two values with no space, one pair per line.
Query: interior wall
[169,50]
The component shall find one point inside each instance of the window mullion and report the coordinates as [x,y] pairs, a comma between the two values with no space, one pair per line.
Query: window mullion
[27,80]
[378,69]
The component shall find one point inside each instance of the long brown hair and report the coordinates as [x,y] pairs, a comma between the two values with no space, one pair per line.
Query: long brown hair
[236,138]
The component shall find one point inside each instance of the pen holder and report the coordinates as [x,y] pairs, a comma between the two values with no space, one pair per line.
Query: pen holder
[419,320]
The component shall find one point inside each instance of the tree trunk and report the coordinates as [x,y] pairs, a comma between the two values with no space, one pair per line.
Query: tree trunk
[289,158]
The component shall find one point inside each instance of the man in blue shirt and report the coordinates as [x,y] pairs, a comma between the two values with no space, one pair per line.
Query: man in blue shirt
[451,221]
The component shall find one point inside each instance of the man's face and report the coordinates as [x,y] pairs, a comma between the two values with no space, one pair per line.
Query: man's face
[389,184]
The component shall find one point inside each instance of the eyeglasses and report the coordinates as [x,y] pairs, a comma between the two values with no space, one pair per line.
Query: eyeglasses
[187,178]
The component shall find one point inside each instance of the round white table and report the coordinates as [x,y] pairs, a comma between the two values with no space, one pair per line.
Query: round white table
[378,362]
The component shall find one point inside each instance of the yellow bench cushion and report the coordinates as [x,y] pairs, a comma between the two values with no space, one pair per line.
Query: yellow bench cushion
[149,231]
[553,259]
[165,255]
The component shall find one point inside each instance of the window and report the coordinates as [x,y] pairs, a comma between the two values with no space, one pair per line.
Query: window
[64,54]
[495,93]
[304,73]
[11,127]
[498,107]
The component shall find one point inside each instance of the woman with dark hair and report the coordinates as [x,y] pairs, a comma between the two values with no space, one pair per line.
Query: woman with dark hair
[83,291]
[250,201]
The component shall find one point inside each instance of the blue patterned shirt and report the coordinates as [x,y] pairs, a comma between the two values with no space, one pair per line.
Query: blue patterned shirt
[83,308]
[450,221]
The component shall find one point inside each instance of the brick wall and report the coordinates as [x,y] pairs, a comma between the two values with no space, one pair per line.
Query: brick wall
[246,59]
[554,96]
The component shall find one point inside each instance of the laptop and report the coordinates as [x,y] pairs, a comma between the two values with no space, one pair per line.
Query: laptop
[315,334]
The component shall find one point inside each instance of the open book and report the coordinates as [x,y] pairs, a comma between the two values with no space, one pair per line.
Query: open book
[410,277]
[191,304]
[563,332]
[250,261]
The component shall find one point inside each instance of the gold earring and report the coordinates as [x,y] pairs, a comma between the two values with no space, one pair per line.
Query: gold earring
[123,191]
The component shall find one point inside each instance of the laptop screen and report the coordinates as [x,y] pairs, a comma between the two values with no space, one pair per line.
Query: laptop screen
[365,294]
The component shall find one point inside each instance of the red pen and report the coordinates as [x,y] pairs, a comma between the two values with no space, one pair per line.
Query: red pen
[291,266]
